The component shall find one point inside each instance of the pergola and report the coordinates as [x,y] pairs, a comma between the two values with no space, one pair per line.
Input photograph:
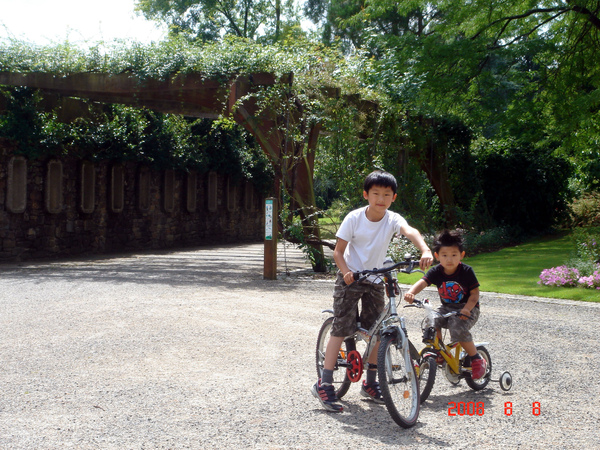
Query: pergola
[195,95]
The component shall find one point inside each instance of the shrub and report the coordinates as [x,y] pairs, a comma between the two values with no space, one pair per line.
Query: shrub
[587,244]
[592,281]
[585,211]
[561,276]
[489,240]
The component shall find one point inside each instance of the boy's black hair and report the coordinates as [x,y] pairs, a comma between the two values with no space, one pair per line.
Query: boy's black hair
[449,238]
[380,178]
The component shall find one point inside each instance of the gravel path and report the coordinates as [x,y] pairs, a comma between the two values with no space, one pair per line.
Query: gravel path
[194,350]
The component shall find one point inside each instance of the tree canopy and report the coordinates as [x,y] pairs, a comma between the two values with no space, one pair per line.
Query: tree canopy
[210,20]
[464,94]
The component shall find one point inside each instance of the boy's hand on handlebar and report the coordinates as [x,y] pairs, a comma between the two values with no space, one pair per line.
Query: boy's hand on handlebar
[408,297]
[465,314]
[426,260]
[349,278]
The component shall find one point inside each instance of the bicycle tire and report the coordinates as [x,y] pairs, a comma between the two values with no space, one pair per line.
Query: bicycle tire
[482,382]
[399,384]
[341,382]
[427,371]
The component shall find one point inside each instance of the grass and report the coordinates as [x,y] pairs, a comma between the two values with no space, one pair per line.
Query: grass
[328,227]
[516,270]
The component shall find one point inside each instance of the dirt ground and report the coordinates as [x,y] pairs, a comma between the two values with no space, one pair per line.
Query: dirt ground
[193,349]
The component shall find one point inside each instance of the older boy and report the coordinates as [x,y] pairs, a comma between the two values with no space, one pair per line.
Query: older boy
[362,243]
[459,291]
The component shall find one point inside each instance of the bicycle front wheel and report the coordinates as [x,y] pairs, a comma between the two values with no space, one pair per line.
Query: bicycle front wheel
[341,382]
[399,384]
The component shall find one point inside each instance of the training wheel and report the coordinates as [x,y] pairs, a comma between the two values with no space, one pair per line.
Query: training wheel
[355,366]
[506,381]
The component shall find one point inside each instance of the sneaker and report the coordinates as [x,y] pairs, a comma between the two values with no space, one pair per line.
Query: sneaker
[372,391]
[326,394]
[478,368]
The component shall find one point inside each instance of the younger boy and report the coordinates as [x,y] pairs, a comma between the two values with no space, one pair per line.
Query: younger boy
[363,240]
[459,291]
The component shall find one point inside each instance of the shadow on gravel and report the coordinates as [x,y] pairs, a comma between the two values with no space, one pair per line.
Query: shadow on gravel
[372,421]
[227,267]
[488,396]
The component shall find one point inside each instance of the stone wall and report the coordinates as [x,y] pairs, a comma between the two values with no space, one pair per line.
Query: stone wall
[64,207]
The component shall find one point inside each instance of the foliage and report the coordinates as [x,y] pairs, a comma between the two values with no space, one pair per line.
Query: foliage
[120,133]
[587,244]
[158,60]
[429,91]
[506,70]
[523,187]
[490,240]
[208,20]
[21,121]
[585,210]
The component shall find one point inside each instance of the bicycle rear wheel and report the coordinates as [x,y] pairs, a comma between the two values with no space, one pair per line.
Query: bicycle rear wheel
[341,382]
[399,383]
[427,371]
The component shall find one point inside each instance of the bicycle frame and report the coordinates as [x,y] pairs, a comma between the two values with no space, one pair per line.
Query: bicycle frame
[451,353]
[388,322]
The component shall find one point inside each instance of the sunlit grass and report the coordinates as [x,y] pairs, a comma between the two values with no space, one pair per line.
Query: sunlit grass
[516,270]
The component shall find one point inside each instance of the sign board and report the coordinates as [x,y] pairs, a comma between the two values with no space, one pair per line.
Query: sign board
[269,219]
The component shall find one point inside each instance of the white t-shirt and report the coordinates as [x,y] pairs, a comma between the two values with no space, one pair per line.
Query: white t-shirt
[368,241]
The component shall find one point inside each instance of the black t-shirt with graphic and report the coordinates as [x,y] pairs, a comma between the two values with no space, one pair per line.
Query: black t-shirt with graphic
[453,289]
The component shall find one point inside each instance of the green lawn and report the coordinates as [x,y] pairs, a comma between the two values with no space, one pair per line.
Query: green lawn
[516,270]
[328,227]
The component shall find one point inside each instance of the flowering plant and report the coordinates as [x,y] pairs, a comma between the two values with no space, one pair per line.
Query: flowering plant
[592,281]
[559,276]
[564,276]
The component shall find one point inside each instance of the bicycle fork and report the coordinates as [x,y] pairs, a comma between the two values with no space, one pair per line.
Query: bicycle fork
[396,326]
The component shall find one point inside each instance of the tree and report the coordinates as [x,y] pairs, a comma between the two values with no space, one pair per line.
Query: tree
[525,71]
[209,20]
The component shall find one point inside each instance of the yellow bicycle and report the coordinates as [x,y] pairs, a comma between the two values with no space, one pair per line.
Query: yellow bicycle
[451,358]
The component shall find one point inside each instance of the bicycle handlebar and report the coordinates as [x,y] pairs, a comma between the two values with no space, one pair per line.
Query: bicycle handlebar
[419,304]
[408,262]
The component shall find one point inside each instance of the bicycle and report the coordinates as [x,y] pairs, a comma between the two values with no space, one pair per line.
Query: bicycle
[452,358]
[396,356]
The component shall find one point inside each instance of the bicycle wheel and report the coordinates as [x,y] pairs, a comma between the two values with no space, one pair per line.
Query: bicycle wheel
[427,371]
[341,382]
[479,384]
[399,383]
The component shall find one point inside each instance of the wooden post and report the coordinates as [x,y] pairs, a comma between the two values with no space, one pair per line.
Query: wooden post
[270,267]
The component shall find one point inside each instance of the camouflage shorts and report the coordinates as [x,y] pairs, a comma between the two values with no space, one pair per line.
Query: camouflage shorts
[459,328]
[345,305]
